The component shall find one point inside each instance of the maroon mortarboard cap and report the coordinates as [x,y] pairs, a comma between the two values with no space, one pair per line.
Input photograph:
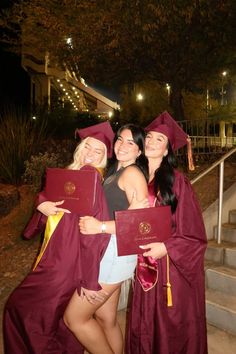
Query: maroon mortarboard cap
[166,125]
[102,132]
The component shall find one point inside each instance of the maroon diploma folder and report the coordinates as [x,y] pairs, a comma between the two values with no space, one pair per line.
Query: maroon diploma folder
[76,187]
[137,227]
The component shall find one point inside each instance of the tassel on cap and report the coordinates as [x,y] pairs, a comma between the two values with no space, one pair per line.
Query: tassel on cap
[166,125]
[190,155]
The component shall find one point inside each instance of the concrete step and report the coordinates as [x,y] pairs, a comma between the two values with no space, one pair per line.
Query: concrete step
[220,342]
[230,257]
[214,252]
[232,216]
[221,310]
[221,278]
[228,232]
[224,253]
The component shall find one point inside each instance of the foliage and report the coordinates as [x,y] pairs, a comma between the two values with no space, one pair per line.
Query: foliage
[155,101]
[57,153]
[85,119]
[185,43]
[20,137]
[64,148]
[194,106]
[226,112]
[35,168]
[63,121]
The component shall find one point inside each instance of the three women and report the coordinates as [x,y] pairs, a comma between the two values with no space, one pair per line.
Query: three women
[168,312]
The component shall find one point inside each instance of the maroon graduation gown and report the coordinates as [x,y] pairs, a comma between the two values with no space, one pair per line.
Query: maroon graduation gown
[155,328]
[33,313]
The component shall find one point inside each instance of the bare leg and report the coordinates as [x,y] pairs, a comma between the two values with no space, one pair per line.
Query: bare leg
[106,315]
[79,319]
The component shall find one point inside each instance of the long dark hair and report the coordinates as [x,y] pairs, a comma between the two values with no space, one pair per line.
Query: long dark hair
[164,179]
[138,135]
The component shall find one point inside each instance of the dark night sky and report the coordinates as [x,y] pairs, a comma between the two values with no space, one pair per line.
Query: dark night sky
[14,81]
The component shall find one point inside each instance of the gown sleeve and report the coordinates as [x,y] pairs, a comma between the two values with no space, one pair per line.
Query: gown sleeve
[37,223]
[93,246]
[188,242]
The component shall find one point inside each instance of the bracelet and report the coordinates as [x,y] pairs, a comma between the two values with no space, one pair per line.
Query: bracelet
[104,227]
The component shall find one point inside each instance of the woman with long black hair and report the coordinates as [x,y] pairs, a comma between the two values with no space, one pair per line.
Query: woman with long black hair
[167,314]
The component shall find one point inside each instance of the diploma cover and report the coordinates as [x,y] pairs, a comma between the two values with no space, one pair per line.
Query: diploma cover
[137,227]
[76,187]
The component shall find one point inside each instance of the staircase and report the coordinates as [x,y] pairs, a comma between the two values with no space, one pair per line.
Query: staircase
[220,271]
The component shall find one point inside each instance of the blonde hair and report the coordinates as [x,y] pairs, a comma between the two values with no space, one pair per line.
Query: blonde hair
[76,164]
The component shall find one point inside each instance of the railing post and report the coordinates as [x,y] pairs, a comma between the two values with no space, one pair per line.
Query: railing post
[221,184]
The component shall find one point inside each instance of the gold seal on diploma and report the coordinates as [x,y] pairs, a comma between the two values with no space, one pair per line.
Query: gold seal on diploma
[144,228]
[69,188]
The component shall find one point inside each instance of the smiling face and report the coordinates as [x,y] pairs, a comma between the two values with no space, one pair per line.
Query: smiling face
[156,145]
[125,149]
[92,153]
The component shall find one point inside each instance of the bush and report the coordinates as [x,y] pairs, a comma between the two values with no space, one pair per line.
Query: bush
[20,137]
[57,154]
[35,168]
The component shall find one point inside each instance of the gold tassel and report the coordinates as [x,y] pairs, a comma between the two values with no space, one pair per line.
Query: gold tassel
[169,293]
[190,155]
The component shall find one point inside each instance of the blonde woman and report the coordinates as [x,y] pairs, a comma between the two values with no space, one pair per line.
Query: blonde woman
[33,313]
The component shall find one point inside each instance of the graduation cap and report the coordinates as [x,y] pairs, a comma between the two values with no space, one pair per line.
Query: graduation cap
[166,125]
[102,132]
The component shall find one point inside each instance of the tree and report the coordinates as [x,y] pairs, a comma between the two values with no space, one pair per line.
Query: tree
[185,43]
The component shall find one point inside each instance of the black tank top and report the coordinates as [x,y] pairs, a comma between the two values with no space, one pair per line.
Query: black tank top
[116,197]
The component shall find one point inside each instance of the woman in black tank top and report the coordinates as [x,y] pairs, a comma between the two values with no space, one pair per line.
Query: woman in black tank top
[92,316]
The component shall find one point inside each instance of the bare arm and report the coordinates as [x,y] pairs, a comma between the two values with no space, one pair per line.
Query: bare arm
[89,225]
[134,184]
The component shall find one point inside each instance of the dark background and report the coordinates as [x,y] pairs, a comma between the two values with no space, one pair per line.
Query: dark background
[14,81]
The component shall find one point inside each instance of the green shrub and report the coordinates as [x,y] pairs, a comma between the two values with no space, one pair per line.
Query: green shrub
[57,154]
[20,137]
[35,168]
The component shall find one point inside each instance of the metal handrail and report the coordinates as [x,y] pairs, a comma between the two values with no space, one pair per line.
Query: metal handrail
[219,162]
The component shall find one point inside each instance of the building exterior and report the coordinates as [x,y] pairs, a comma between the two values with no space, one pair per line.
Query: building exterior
[50,84]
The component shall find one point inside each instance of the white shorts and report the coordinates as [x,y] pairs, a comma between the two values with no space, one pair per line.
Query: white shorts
[114,268]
